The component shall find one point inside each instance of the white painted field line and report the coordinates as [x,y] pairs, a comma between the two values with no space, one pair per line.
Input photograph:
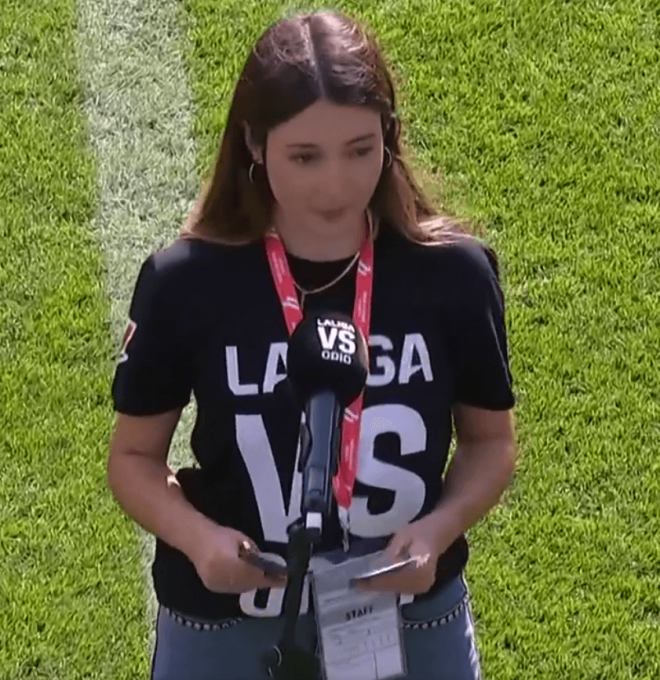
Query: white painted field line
[139,113]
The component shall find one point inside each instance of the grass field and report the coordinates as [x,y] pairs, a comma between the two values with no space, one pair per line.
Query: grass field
[70,582]
[541,122]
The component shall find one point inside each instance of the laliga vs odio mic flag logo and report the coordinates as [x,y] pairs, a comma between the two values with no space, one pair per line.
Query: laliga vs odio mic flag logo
[128,336]
[338,340]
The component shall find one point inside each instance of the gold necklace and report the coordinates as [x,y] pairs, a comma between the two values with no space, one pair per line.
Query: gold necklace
[327,285]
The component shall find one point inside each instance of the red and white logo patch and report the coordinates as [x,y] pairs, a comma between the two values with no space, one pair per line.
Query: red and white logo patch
[128,336]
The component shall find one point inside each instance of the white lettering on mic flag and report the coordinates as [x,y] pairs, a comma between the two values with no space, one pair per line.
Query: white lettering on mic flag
[327,340]
[329,336]
[347,341]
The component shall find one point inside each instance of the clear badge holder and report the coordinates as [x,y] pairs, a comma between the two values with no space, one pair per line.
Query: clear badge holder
[360,632]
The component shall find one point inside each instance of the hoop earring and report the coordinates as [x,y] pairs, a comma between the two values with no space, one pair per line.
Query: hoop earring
[391,158]
[250,172]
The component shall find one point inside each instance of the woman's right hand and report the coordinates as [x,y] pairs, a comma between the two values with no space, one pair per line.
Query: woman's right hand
[220,568]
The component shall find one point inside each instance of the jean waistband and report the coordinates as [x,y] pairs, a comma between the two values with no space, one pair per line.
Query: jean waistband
[438,609]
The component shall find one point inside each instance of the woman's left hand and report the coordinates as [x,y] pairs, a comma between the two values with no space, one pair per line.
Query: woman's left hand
[415,540]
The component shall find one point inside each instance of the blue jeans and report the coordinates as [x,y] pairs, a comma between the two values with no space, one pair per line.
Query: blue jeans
[438,636]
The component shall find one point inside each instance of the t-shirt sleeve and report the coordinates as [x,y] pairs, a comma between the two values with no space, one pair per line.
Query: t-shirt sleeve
[478,337]
[153,374]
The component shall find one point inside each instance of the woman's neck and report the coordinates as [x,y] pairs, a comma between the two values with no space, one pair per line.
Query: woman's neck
[318,247]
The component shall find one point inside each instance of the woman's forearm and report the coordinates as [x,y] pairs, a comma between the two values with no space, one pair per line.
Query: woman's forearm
[148,492]
[475,481]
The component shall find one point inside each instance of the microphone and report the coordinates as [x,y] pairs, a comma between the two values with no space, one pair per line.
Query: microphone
[327,368]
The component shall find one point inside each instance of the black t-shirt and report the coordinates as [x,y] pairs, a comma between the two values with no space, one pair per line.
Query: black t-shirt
[208,321]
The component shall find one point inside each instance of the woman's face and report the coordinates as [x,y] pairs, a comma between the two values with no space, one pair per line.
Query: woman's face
[328,157]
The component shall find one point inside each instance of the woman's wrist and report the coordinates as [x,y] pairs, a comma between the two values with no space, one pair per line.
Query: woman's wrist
[199,537]
[443,528]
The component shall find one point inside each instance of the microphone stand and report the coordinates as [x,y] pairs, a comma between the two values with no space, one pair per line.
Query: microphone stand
[289,661]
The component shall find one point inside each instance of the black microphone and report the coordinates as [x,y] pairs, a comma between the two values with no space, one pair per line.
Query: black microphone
[327,369]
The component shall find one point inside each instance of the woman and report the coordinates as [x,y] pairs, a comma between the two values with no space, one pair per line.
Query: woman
[310,157]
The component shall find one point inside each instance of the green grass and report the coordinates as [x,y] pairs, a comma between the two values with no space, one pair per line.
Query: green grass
[71,594]
[540,121]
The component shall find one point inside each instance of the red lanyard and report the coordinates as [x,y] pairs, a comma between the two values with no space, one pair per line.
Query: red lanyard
[344,480]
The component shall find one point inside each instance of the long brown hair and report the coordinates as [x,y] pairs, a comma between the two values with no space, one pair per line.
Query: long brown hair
[296,62]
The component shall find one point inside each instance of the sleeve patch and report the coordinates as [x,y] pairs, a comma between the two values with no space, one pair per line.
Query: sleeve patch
[128,336]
